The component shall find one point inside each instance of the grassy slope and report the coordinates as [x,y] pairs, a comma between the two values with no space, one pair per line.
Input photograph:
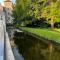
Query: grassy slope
[46,33]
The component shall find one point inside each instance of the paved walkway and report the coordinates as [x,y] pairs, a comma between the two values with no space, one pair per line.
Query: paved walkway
[1,41]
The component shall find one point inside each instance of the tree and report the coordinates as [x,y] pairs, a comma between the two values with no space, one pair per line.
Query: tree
[28,11]
[51,13]
[21,9]
[25,9]
[36,7]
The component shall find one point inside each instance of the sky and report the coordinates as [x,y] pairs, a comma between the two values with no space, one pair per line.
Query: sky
[3,0]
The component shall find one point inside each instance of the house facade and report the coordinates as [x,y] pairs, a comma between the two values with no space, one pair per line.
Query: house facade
[6,11]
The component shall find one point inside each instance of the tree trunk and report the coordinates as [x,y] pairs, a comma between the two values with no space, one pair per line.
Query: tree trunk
[52,22]
[50,47]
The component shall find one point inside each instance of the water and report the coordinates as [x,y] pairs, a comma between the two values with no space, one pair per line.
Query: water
[17,55]
[36,49]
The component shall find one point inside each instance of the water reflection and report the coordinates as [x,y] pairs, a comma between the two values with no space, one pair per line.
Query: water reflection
[36,49]
[17,55]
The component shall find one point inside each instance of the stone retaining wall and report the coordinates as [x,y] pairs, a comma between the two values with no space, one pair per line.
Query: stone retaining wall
[8,49]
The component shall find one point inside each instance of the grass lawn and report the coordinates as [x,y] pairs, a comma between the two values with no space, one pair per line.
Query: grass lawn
[46,33]
[58,30]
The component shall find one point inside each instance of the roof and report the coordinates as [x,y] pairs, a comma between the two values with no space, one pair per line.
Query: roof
[7,1]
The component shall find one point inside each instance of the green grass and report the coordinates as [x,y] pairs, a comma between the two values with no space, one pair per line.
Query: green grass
[58,30]
[46,33]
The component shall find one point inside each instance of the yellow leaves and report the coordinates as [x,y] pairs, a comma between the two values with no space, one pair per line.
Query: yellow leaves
[36,11]
[44,13]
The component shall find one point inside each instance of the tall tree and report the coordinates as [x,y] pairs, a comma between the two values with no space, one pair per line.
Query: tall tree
[21,9]
[51,13]
[35,8]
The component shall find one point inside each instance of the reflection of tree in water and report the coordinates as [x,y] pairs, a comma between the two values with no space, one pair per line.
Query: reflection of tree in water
[34,49]
[29,46]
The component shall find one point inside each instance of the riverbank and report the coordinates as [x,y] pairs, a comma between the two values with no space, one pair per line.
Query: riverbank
[45,33]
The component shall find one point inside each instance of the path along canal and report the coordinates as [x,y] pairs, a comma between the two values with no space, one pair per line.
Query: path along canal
[32,48]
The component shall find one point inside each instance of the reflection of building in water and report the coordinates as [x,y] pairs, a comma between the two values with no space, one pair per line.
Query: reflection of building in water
[6,11]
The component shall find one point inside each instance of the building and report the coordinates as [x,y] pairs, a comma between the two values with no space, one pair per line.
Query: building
[1,7]
[6,10]
[2,13]
[8,7]
[8,4]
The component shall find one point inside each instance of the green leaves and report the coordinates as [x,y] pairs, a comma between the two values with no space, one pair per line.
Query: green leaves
[37,9]
[52,12]
[22,7]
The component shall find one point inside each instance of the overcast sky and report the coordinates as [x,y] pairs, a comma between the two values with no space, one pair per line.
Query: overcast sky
[3,0]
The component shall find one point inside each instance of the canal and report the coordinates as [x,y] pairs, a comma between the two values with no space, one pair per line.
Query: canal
[29,47]
[33,48]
